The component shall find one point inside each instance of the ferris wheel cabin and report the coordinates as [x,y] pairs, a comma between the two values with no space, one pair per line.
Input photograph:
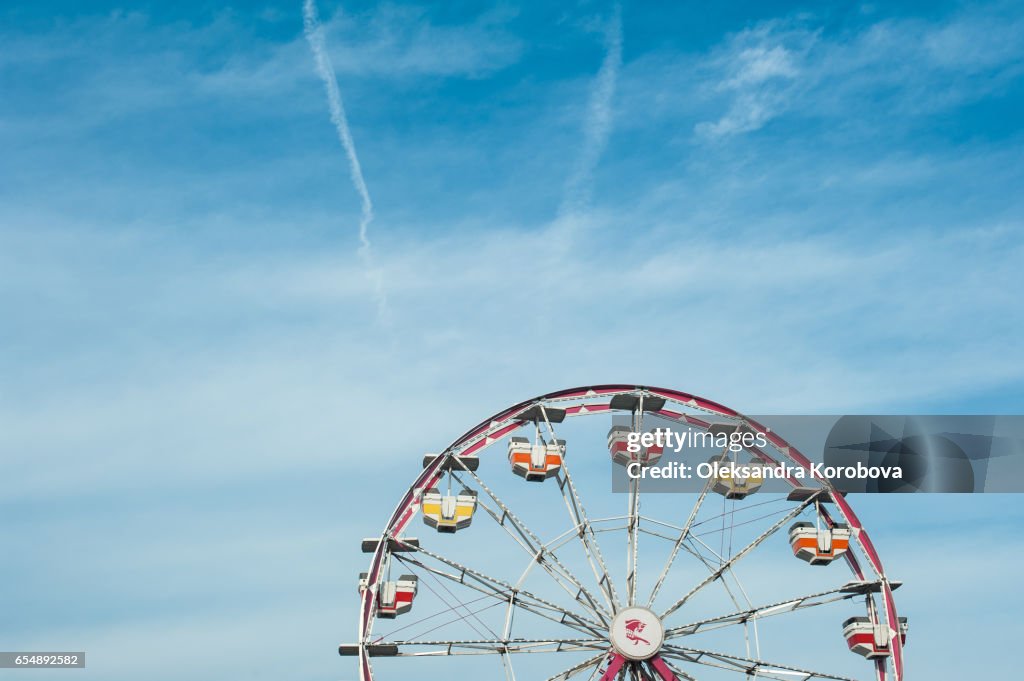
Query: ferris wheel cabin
[536,462]
[618,446]
[818,545]
[393,597]
[737,486]
[448,512]
[870,638]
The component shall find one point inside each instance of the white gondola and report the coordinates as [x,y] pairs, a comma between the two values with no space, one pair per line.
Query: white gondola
[536,462]
[618,447]
[870,638]
[448,512]
[747,479]
[393,597]
[819,545]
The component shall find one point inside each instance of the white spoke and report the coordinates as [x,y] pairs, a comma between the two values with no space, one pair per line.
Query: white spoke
[507,666]
[572,533]
[588,538]
[505,592]
[506,662]
[597,668]
[743,616]
[632,530]
[445,611]
[634,517]
[728,590]
[532,544]
[747,666]
[465,616]
[735,558]
[678,544]
[491,647]
[435,627]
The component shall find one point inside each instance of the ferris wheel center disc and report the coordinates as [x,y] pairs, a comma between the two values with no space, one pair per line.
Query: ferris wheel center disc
[637,633]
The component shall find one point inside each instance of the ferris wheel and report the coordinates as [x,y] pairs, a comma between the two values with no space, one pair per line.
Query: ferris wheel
[525,564]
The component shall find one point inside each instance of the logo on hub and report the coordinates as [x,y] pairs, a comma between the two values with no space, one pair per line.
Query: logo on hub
[633,629]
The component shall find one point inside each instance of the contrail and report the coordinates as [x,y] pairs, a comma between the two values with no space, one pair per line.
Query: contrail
[315,37]
[598,122]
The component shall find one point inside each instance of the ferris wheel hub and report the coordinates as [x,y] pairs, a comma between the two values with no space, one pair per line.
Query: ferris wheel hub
[637,633]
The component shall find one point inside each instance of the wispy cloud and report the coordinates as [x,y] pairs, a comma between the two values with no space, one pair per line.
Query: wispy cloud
[402,45]
[759,69]
[851,343]
[597,125]
[315,37]
[900,66]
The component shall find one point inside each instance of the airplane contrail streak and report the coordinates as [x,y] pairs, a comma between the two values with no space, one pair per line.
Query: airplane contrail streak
[315,37]
[598,124]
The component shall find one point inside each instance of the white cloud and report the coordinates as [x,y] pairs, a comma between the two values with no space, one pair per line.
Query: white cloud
[780,67]
[389,42]
[759,70]
[794,324]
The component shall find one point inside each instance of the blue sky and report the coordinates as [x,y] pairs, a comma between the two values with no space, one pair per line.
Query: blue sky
[783,207]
